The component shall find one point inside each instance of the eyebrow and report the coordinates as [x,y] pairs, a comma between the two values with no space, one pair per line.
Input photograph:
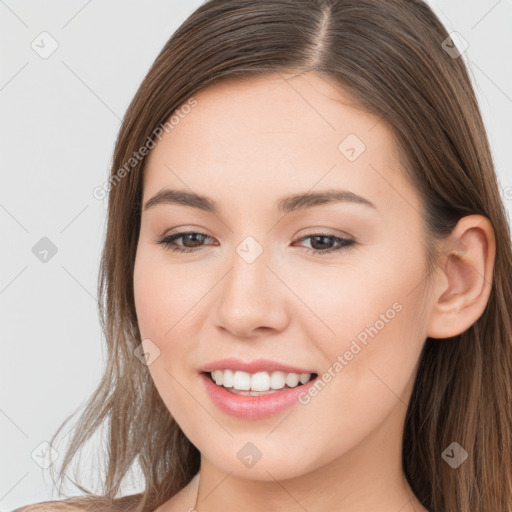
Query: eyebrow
[285,204]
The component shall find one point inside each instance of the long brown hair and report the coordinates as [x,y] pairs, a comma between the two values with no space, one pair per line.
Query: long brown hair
[391,57]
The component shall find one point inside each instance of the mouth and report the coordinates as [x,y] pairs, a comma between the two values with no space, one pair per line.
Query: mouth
[258,384]
[254,404]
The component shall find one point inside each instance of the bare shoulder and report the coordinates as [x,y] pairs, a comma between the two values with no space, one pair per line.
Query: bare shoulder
[51,506]
[81,504]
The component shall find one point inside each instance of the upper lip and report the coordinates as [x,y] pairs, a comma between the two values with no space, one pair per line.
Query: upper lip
[258,365]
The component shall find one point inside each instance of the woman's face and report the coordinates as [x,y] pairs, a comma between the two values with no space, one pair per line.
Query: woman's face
[253,288]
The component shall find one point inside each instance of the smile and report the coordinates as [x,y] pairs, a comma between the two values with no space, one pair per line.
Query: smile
[250,404]
[254,384]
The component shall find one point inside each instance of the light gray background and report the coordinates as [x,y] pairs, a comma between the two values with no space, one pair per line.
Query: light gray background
[59,118]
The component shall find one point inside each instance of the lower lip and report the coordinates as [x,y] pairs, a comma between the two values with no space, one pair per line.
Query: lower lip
[253,407]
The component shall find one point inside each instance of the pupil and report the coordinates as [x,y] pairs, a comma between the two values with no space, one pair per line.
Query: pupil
[325,239]
[193,236]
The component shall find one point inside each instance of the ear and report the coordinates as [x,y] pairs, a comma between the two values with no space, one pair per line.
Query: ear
[463,282]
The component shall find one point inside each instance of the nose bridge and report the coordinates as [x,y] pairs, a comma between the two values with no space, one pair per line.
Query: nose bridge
[248,278]
[250,296]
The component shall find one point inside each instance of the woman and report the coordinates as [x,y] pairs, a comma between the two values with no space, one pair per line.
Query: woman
[306,271]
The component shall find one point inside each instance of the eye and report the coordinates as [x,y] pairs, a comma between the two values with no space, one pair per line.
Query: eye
[194,241]
[192,237]
[320,240]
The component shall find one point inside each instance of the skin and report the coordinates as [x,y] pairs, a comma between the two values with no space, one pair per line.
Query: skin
[245,145]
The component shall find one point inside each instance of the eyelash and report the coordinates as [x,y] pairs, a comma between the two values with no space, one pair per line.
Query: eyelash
[344,242]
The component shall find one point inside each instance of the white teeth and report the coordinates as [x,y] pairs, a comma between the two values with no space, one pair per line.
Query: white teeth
[304,377]
[278,380]
[242,381]
[260,381]
[217,376]
[227,378]
[292,379]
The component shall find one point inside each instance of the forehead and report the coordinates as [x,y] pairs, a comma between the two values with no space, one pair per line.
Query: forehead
[249,139]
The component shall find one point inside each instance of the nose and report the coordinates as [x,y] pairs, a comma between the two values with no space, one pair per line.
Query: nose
[252,299]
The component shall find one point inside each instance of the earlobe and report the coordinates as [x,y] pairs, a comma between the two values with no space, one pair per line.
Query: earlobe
[464,278]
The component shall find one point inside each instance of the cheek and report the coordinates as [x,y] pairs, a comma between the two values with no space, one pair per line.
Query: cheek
[147,293]
[159,303]
[371,314]
[163,295]
[160,306]
[169,304]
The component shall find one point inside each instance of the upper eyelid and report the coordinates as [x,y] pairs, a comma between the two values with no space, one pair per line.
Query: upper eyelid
[180,234]
[311,231]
